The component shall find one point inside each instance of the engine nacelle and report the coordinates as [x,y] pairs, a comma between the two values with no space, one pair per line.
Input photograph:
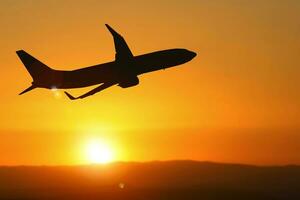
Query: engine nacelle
[132,81]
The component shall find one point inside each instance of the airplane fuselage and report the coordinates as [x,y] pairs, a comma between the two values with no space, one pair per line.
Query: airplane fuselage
[118,71]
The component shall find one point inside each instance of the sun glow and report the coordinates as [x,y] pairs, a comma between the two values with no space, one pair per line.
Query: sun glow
[98,152]
[56,93]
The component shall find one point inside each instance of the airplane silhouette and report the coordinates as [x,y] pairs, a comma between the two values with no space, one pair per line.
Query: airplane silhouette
[124,71]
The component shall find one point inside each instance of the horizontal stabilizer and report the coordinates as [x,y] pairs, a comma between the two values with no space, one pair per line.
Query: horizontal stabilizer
[28,89]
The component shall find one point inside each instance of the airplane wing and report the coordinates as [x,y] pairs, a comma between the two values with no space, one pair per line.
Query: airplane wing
[122,50]
[93,91]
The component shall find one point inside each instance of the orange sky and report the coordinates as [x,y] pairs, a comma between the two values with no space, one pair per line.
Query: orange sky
[237,101]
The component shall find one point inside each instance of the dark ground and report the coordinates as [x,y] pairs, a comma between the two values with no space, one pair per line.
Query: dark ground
[154,180]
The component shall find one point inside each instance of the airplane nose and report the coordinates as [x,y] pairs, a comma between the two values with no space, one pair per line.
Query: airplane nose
[193,54]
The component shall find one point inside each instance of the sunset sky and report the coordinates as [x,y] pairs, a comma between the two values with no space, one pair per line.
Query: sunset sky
[237,101]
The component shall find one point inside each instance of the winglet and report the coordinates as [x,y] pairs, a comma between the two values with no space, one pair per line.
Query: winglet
[111,30]
[122,50]
[70,96]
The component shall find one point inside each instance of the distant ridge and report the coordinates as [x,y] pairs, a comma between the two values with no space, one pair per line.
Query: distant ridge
[155,162]
[159,179]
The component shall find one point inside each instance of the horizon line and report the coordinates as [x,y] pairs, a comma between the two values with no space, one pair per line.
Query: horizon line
[152,161]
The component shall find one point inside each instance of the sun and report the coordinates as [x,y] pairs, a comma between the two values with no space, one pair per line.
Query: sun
[98,152]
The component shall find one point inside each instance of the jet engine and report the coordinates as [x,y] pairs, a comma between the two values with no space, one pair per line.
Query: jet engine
[132,81]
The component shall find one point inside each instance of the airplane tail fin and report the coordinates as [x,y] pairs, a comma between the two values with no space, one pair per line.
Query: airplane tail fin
[37,69]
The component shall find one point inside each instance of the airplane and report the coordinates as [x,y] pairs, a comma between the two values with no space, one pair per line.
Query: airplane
[123,71]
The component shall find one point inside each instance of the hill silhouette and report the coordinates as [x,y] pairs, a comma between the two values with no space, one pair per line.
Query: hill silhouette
[152,180]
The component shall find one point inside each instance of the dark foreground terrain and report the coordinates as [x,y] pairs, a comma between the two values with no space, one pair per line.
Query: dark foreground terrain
[154,180]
